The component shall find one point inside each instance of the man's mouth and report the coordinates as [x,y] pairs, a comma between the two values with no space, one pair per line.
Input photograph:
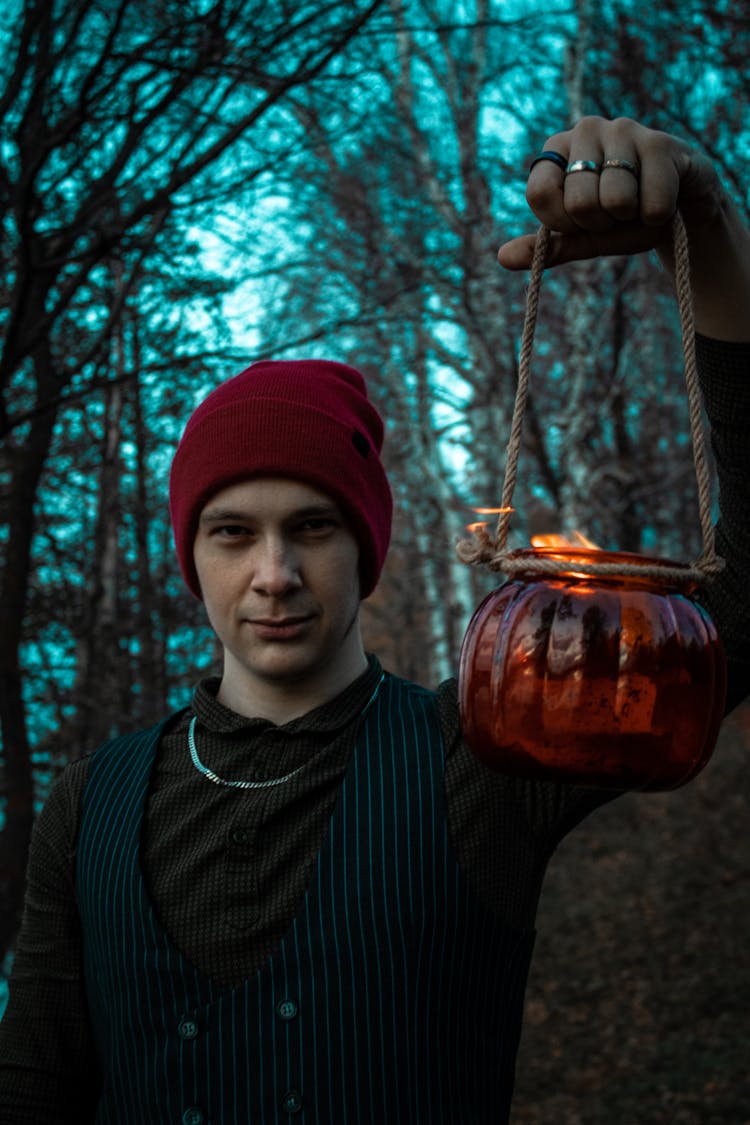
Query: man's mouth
[280,628]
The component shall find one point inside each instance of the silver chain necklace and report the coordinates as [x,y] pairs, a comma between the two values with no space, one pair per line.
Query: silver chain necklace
[209,773]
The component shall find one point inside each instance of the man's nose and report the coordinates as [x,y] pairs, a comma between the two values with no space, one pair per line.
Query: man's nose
[275,567]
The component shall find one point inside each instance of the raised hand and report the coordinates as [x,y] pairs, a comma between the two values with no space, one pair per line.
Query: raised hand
[612,187]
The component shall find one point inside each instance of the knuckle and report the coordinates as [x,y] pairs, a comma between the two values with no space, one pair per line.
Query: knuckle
[622,210]
[581,211]
[622,124]
[654,143]
[538,195]
[589,121]
[619,201]
[557,140]
[656,212]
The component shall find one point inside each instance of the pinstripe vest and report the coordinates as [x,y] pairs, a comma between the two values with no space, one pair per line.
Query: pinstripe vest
[394,998]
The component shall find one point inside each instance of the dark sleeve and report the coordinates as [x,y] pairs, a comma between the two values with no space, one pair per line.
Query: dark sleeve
[48,1063]
[505,828]
[725,382]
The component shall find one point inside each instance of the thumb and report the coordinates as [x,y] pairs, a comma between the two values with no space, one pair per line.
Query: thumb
[576,246]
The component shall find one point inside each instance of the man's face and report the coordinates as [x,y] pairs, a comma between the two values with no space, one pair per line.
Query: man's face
[278,569]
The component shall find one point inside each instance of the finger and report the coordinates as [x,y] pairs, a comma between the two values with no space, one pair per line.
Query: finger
[674,175]
[581,196]
[619,189]
[659,182]
[619,180]
[517,253]
[701,193]
[545,186]
[630,238]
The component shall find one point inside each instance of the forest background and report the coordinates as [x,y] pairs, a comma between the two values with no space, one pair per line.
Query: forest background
[189,185]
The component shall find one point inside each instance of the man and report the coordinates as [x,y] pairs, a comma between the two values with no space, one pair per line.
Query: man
[302,896]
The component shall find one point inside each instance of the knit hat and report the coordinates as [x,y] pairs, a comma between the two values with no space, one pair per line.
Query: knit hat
[309,420]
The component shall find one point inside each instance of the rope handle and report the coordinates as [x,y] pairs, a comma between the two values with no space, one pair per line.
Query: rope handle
[490,551]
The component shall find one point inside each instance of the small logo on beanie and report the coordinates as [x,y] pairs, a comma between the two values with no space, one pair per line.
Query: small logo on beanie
[360,443]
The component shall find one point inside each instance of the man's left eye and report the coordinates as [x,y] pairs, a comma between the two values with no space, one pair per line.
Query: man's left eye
[315,525]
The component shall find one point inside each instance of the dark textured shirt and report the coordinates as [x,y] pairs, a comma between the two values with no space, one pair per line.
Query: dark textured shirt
[227,868]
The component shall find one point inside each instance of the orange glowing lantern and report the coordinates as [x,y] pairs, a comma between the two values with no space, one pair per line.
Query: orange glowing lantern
[611,680]
[588,666]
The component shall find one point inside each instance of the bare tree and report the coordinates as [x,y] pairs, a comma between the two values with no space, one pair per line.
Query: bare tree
[385,251]
[401,200]
[114,119]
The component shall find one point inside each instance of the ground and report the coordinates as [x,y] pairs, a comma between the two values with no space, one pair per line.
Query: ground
[638,1007]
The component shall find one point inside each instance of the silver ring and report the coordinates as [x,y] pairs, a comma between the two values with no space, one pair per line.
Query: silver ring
[626,165]
[582,166]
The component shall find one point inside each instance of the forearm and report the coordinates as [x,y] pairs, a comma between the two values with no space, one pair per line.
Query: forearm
[48,1068]
[725,380]
[48,1063]
[719,273]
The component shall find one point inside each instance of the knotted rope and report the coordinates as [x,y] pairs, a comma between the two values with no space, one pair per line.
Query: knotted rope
[490,551]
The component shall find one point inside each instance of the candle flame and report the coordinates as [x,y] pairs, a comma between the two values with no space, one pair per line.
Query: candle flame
[473,528]
[575,539]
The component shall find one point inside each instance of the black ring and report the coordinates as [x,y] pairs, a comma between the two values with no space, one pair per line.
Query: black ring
[548,154]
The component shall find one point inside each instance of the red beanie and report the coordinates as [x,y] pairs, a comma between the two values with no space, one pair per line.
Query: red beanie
[307,419]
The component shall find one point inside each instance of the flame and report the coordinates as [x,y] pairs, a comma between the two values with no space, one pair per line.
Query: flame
[472,528]
[575,539]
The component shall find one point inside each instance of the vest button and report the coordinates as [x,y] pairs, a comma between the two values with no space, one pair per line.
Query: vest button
[187,1028]
[240,837]
[287,1009]
[193,1116]
[291,1101]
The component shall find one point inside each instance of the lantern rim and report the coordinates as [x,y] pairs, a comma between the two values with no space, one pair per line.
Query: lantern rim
[625,567]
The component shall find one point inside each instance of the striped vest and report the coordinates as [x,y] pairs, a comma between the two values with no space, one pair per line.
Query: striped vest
[394,998]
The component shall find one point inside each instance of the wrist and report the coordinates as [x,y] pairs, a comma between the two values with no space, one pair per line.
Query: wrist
[720,273]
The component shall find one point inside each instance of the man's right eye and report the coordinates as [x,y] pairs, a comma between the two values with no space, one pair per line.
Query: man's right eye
[231,531]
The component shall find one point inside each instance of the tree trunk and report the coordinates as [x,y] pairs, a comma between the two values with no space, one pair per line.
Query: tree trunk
[27,463]
[100,696]
[151,674]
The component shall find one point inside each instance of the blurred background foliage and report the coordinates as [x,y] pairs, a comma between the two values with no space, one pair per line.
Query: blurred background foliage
[189,185]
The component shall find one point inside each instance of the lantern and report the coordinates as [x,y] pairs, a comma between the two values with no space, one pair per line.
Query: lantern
[614,680]
[594,667]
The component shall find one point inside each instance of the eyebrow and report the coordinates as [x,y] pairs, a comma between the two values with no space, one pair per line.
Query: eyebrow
[222,515]
[235,515]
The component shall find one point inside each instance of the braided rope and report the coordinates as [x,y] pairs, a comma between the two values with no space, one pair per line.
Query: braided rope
[484,549]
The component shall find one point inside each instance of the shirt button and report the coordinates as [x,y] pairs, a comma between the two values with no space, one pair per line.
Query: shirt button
[291,1101]
[287,1009]
[187,1028]
[240,837]
[193,1116]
